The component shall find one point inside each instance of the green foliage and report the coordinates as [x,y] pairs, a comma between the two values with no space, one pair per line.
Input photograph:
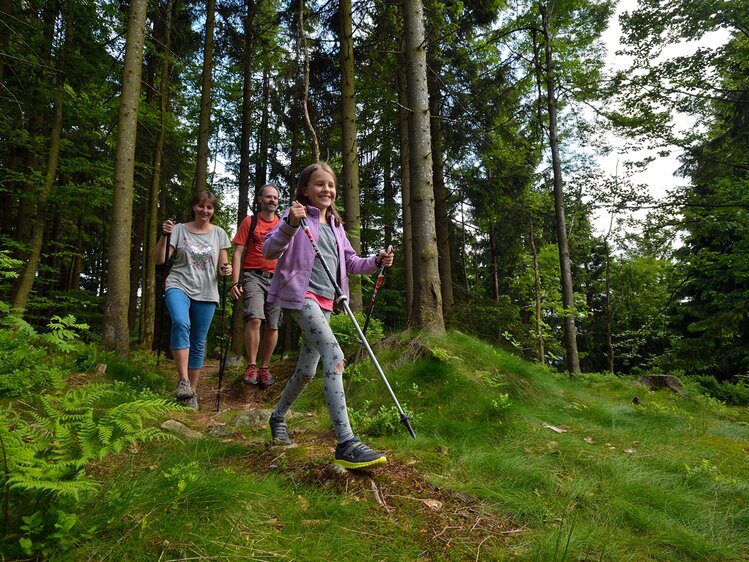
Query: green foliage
[8,266]
[346,334]
[46,451]
[384,421]
[489,319]
[736,393]
[26,366]
[63,332]
[134,374]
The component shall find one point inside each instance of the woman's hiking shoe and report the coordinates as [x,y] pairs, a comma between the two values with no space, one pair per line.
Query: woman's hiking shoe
[278,430]
[192,402]
[264,378]
[184,390]
[355,454]
[250,375]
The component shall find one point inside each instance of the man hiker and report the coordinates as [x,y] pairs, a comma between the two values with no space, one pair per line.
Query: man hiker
[256,273]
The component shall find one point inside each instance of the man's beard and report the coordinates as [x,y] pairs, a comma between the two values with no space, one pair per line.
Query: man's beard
[271,208]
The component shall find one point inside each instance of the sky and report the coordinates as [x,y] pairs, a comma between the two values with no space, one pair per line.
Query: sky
[659,175]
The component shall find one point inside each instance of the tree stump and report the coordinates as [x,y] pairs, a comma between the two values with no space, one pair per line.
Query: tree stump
[658,382]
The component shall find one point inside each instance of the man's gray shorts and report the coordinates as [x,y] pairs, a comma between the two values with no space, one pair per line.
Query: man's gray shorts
[254,303]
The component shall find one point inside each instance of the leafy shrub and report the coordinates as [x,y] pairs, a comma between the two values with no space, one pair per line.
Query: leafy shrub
[134,374]
[45,453]
[384,421]
[25,366]
[725,391]
[345,333]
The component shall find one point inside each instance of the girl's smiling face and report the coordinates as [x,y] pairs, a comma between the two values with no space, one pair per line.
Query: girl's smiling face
[320,189]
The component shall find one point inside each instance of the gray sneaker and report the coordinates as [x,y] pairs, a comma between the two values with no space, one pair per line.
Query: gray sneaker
[192,402]
[278,430]
[184,390]
[355,454]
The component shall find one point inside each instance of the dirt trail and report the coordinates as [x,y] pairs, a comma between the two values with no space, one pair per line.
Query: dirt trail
[449,519]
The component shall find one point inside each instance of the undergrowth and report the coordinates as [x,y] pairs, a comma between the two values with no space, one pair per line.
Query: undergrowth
[511,461]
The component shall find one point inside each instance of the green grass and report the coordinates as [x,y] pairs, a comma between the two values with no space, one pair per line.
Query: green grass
[487,477]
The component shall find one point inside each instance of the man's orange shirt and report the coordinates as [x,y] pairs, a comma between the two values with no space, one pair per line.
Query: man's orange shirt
[253,255]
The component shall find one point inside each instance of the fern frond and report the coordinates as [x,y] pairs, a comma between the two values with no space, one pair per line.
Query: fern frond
[66,488]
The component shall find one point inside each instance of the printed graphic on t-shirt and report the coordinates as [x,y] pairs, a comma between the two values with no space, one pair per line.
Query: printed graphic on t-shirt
[199,255]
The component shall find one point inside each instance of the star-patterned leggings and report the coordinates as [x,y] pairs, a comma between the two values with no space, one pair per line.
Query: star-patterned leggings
[318,341]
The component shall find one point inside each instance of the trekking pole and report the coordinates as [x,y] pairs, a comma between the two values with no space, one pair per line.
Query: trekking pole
[222,350]
[341,298]
[380,277]
[163,294]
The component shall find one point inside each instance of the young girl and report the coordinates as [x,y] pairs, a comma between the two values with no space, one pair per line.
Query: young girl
[301,285]
[191,291]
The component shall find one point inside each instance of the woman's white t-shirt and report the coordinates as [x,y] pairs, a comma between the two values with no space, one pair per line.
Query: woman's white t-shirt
[195,262]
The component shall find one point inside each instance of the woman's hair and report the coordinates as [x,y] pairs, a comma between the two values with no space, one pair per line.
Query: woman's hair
[304,179]
[204,196]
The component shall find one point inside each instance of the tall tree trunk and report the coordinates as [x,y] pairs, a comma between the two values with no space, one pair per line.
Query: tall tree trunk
[237,323]
[29,273]
[76,260]
[408,266]
[494,258]
[427,307]
[350,151]
[568,297]
[305,93]
[261,162]
[115,334]
[609,312]
[204,125]
[441,215]
[136,258]
[537,292]
[148,307]
[388,190]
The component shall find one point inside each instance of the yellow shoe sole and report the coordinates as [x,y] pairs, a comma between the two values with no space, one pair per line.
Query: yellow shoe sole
[358,465]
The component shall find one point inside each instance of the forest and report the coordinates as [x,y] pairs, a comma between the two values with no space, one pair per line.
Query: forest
[467,134]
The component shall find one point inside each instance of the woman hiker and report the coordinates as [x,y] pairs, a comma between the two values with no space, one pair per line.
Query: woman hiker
[191,290]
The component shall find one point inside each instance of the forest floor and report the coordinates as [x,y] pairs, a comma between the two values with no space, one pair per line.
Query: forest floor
[446,518]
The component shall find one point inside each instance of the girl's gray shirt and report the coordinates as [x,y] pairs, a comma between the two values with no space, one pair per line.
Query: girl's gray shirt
[195,262]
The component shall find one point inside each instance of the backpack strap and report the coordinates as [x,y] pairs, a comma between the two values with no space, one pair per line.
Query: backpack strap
[253,225]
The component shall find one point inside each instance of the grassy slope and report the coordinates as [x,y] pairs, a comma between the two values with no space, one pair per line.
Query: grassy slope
[667,479]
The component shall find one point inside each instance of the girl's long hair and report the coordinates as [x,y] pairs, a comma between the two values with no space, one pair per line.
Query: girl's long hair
[302,183]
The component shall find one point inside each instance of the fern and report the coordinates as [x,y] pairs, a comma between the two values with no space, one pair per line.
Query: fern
[45,452]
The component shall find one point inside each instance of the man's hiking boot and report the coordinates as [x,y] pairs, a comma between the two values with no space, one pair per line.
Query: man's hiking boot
[355,454]
[184,390]
[264,378]
[278,430]
[250,375]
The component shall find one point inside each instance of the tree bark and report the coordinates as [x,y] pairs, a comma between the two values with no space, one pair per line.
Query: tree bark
[441,215]
[537,292]
[243,207]
[261,162]
[204,126]
[403,119]
[568,297]
[29,273]
[609,312]
[350,151]
[115,334]
[148,298]
[427,307]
